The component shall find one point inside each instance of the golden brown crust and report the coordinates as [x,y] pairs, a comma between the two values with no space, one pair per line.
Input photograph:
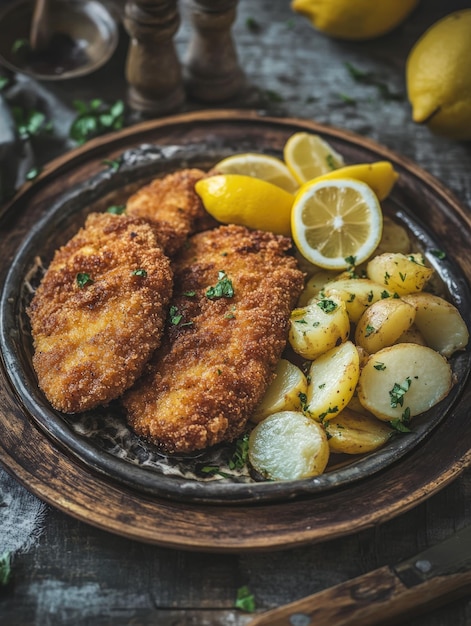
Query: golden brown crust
[92,342]
[174,206]
[207,378]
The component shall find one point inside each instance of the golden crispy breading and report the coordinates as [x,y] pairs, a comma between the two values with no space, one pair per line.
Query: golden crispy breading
[220,350]
[174,206]
[99,312]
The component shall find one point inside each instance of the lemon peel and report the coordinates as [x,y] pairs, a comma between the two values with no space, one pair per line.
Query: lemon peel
[380,176]
[438,77]
[354,19]
[246,201]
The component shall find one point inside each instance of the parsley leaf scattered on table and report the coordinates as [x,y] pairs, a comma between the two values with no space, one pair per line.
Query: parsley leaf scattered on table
[368,78]
[30,123]
[96,118]
[33,173]
[5,568]
[4,82]
[245,600]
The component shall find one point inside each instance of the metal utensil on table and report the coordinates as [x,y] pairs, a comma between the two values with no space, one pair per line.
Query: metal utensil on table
[429,579]
[40,33]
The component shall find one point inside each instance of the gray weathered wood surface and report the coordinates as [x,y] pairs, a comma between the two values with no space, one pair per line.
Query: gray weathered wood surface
[67,572]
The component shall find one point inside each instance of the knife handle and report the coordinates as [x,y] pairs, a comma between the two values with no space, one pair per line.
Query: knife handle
[378,597]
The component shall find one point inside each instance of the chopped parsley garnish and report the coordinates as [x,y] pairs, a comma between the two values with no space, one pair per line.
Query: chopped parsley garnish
[351,260]
[330,162]
[330,410]
[403,276]
[245,600]
[83,279]
[239,458]
[402,424]
[398,391]
[385,294]
[439,254]
[175,317]
[370,296]
[379,366]
[222,289]
[189,294]
[113,164]
[116,209]
[140,272]
[369,330]
[328,306]
[301,321]
[230,315]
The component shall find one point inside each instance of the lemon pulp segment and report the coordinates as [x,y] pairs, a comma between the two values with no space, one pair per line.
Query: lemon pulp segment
[333,221]
[308,156]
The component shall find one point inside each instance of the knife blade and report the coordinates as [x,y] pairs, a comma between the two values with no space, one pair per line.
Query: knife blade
[433,577]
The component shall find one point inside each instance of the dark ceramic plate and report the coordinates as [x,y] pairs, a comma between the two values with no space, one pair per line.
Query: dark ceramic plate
[100,439]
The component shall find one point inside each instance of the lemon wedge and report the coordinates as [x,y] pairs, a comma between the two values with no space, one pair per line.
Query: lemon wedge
[336,223]
[380,176]
[262,166]
[246,201]
[308,156]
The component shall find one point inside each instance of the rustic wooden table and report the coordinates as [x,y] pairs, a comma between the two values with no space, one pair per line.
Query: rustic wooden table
[64,571]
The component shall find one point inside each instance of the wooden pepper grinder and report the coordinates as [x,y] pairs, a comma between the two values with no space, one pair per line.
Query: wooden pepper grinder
[211,69]
[153,70]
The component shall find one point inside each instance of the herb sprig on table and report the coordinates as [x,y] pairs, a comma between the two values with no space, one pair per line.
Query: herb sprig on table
[96,118]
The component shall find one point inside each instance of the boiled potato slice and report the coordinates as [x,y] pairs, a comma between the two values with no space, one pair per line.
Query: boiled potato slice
[357,293]
[395,238]
[398,272]
[318,327]
[284,393]
[383,323]
[403,380]
[439,322]
[314,284]
[288,446]
[333,377]
[355,433]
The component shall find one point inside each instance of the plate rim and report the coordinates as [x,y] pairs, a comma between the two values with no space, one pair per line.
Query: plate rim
[230,115]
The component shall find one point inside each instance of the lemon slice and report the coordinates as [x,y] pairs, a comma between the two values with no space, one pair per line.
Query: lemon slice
[262,166]
[336,223]
[308,156]
[246,201]
[380,176]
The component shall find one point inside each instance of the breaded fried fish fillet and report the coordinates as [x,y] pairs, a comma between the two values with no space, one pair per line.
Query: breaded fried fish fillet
[234,290]
[174,206]
[99,312]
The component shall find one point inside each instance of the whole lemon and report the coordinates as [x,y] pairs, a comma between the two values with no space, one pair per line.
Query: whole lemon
[354,19]
[438,76]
